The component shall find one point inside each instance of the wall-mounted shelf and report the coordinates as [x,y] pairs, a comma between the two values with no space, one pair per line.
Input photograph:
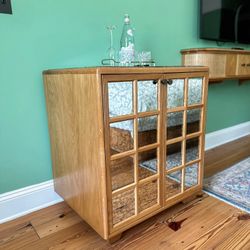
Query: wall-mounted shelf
[224,64]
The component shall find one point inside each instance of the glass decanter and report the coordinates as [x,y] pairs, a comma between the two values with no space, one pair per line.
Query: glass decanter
[111,50]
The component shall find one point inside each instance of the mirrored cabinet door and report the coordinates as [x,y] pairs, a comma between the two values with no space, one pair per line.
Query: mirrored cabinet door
[183,133]
[133,120]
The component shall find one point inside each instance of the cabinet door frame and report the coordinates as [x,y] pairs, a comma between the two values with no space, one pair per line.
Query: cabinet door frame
[107,120]
[161,144]
[200,134]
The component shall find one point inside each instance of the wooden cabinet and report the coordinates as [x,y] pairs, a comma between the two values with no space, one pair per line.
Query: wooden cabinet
[243,65]
[126,143]
[223,63]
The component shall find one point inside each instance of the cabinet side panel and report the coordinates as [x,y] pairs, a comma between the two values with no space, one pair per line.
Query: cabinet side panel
[76,144]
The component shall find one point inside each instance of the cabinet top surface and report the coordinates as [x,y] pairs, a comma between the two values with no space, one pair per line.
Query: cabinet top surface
[126,70]
[215,51]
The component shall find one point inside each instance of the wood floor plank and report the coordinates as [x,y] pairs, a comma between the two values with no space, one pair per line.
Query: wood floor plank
[234,235]
[58,237]
[48,212]
[239,240]
[17,237]
[45,227]
[224,156]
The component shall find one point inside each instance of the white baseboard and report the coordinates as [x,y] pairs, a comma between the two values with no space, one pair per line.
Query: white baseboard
[223,136]
[23,201]
[32,198]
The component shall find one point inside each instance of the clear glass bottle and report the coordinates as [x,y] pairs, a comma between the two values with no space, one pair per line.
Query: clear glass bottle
[127,43]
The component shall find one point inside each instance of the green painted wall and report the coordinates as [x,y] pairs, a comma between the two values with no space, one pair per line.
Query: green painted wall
[59,33]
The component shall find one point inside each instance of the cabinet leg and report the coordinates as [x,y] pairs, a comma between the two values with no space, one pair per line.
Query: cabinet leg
[114,238]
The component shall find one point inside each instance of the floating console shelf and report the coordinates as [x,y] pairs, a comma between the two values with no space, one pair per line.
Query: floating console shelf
[224,64]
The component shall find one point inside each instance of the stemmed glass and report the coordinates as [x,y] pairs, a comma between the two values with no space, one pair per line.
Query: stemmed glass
[111,49]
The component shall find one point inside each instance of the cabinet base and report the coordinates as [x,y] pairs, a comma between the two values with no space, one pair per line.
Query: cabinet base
[115,238]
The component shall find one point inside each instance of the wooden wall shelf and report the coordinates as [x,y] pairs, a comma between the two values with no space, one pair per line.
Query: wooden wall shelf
[224,64]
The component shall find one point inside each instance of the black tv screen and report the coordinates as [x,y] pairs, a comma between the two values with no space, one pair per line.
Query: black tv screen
[225,20]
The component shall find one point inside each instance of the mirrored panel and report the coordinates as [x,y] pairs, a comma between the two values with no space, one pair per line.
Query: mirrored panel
[174,155]
[175,93]
[174,125]
[147,96]
[173,184]
[123,206]
[191,175]
[147,130]
[193,120]
[122,172]
[121,136]
[147,195]
[194,91]
[148,164]
[192,149]
[120,96]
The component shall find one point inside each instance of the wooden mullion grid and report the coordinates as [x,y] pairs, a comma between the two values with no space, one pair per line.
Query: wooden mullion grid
[203,126]
[143,213]
[121,223]
[133,116]
[135,106]
[124,189]
[148,179]
[183,108]
[162,104]
[193,162]
[148,113]
[176,109]
[122,118]
[194,106]
[193,135]
[122,155]
[175,140]
[148,147]
[108,157]
[175,169]
[187,137]
[133,151]
[184,132]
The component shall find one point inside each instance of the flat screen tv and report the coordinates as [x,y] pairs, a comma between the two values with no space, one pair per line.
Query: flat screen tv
[225,20]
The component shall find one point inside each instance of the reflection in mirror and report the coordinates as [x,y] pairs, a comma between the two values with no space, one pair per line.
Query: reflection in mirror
[173,184]
[121,136]
[175,94]
[120,96]
[147,96]
[123,206]
[122,172]
[192,149]
[193,120]
[148,163]
[174,155]
[147,195]
[194,91]
[174,125]
[191,175]
[147,130]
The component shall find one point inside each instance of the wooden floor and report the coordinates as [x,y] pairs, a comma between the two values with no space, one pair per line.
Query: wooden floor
[204,223]
[225,156]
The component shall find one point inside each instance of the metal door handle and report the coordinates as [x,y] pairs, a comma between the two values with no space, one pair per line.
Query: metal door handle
[167,81]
